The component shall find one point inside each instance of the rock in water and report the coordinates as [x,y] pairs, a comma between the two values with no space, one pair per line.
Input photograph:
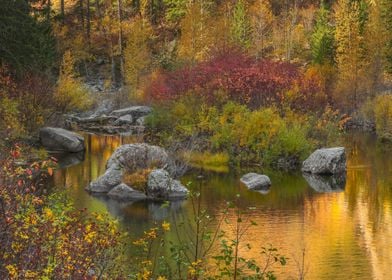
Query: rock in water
[104,183]
[326,161]
[125,192]
[133,157]
[256,181]
[161,186]
[59,139]
[130,157]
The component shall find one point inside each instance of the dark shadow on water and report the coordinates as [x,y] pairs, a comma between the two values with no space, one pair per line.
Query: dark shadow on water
[141,210]
[68,159]
[326,184]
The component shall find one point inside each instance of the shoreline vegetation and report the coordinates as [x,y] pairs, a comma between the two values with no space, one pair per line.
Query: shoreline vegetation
[230,83]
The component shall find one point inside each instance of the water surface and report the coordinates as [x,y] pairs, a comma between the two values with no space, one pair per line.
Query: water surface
[336,233]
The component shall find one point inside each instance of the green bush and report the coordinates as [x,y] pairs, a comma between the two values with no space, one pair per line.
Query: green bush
[383,116]
[260,136]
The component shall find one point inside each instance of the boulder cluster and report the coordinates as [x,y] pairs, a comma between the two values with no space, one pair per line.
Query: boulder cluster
[131,158]
[127,120]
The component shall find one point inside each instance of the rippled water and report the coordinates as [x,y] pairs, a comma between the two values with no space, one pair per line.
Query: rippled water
[341,234]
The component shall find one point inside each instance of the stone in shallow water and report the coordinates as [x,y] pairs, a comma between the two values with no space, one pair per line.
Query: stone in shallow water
[104,183]
[161,186]
[326,184]
[125,192]
[256,181]
[326,161]
[59,139]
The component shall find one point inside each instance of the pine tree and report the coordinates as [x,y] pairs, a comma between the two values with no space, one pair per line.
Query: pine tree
[322,39]
[26,40]
[241,30]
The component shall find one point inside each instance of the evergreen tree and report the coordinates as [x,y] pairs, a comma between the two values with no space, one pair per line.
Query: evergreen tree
[241,30]
[322,39]
[26,41]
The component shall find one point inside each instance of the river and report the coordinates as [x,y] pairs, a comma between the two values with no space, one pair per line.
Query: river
[338,233]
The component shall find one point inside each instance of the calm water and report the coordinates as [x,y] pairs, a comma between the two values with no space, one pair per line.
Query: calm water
[344,233]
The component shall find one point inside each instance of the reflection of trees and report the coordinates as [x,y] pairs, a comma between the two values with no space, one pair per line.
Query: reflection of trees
[343,233]
[369,181]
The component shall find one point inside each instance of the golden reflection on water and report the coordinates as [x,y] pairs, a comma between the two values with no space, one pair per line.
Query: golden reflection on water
[343,235]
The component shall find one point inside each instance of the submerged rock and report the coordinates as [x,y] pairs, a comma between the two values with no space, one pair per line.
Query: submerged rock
[125,192]
[161,186]
[325,184]
[59,139]
[326,161]
[256,181]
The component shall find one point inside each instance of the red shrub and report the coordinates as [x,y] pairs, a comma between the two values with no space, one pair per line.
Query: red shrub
[244,79]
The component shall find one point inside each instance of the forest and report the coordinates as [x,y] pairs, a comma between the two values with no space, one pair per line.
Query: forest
[220,85]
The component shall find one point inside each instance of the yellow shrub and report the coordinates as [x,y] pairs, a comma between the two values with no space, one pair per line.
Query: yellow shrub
[383,116]
[218,162]
[138,179]
[70,93]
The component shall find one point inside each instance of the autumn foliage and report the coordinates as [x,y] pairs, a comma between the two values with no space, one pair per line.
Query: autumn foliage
[242,78]
[44,237]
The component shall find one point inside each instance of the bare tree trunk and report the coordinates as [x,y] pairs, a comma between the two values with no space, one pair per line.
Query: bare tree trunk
[81,12]
[49,9]
[62,7]
[88,22]
[120,40]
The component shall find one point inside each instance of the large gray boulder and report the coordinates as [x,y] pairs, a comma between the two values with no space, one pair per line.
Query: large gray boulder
[133,157]
[59,139]
[130,158]
[135,111]
[326,161]
[125,192]
[256,181]
[160,186]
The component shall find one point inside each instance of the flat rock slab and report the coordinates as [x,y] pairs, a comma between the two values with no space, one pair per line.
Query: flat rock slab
[59,139]
[256,181]
[135,111]
[326,161]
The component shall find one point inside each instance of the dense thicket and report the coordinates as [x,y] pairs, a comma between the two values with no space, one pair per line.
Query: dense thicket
[26,41]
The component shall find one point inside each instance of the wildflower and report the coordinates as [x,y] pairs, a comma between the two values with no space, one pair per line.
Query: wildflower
[166,226]
[12,272]
[48,213]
